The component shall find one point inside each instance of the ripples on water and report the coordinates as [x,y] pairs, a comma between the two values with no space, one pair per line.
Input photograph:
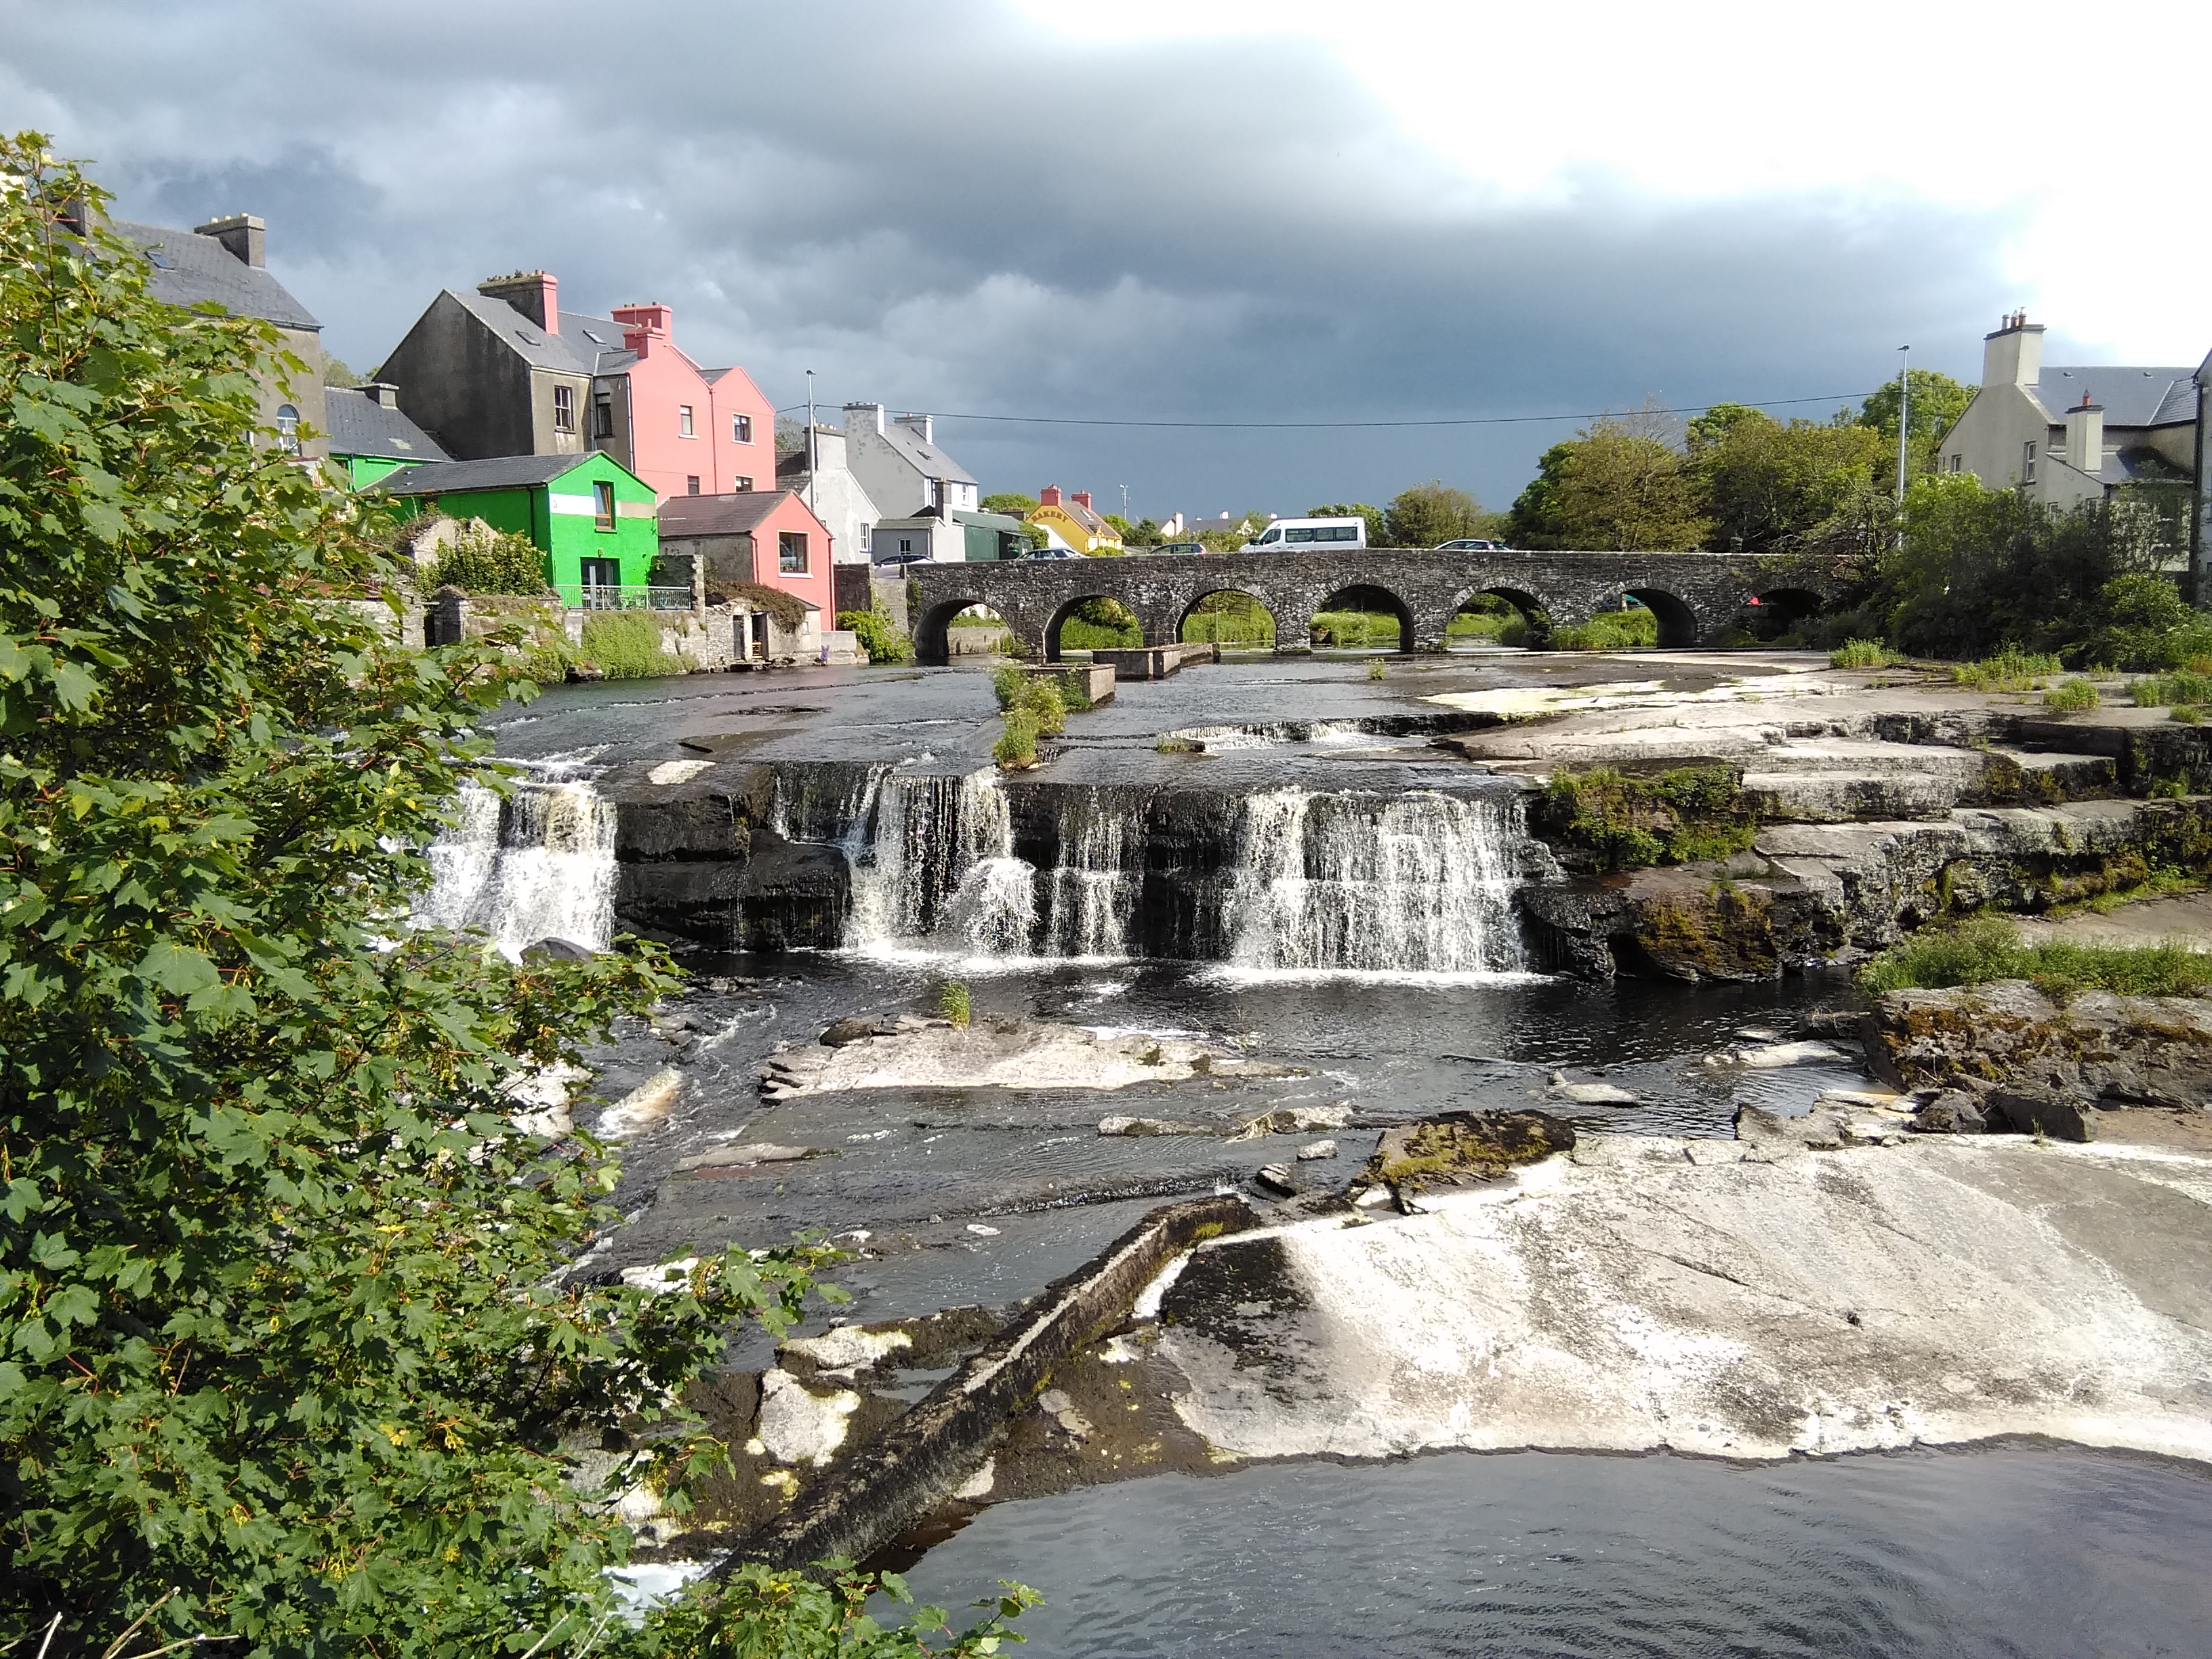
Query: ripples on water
[2017,1550]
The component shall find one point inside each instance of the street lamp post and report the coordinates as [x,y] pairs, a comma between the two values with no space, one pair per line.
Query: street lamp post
[1904,431]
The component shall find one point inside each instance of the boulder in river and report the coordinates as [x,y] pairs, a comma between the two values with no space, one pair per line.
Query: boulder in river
[1140,1126]
[1455,1149]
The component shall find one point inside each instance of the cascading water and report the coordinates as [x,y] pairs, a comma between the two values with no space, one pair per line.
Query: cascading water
[537,865]
[1415,884]
[1295,881]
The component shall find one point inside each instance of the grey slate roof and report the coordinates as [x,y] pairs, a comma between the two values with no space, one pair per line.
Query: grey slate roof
[738,514]
[359,425]
[2130,396]
[571,355]
[187,269]
[500,472]
[926,458]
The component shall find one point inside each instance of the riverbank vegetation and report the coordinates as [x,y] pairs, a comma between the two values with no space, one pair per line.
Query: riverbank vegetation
[1624,821]
[881,638]
[1985,949]
[290,1361]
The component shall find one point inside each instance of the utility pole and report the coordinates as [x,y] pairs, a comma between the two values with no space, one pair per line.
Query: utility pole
[810,440]
[1125,501]
[1904,431]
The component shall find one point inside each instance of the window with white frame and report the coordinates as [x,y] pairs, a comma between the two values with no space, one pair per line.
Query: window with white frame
[741,428]
[564,409]
[683,420]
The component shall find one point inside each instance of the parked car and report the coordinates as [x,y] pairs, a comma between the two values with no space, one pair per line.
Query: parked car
[1472,544]
[1339,535]
[1055,553]
[1180,547]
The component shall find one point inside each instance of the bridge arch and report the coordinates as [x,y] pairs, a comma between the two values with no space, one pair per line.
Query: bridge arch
[1061,616]
[1775,611]
[1196,610]
[1375,599]
[1535,615]
[930,644]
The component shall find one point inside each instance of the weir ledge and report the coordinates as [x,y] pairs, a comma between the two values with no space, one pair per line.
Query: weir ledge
[870,1498]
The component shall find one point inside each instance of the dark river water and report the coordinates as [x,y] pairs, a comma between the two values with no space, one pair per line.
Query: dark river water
[2043,1552]
[948,1198]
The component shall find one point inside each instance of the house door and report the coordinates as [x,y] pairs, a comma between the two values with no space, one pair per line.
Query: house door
[757,626]
[602,584]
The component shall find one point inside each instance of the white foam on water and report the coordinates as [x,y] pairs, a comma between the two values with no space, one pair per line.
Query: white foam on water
[538,865]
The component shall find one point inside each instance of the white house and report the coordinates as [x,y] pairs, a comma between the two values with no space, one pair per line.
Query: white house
[2074,434]
[899,465]
[821,475]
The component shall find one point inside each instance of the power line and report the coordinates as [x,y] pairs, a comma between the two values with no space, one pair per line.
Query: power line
[1340,426]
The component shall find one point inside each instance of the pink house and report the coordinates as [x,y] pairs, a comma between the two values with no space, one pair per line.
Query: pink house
[684,429]
[763,536]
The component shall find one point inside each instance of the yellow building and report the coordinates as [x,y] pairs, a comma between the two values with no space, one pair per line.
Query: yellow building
[1069,522]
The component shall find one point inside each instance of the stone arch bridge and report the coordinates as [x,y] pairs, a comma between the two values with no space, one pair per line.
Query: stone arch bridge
[1695,596]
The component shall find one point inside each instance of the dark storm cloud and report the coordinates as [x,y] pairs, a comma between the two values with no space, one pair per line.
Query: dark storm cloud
[946,207]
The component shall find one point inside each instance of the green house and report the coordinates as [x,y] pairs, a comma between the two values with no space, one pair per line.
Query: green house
[369,438]
[596,520]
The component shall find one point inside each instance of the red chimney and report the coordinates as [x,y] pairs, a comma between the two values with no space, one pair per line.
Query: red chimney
[1049,495]
[642,324]
[1083,499]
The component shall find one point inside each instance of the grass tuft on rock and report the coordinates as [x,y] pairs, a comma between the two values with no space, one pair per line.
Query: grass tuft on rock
[2008,671]
[2069,696]
[1986,949]
[1624,821]
[1865,653]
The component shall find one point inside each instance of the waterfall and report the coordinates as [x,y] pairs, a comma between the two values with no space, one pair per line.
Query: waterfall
[1414,883]
[537,865]
[1286,881]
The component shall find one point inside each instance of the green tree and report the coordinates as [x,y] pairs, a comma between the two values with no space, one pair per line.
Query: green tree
[1768,485]
[1938,402]
[335,373]
[1017,506]
[1146,532]
[1618,485]
[1433,513]
[287,1354]
[1378,520]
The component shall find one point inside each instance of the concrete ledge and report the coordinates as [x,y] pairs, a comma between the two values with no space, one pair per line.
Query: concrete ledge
[1153,662]
[1096,679]
[872,1497]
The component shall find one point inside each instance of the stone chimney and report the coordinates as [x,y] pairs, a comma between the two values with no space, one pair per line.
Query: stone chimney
[2013,354]
[532,292]
[1049,495]
[382,393]
[1083,499]
[245,237]
[919,425]
[2085,437]
[864,418]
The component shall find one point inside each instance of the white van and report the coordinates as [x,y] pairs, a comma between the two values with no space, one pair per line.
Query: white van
[1336,534]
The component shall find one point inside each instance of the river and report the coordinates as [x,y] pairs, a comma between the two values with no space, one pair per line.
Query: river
[1354,921]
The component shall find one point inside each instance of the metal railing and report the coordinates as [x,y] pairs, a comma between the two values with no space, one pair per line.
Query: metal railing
[600,596]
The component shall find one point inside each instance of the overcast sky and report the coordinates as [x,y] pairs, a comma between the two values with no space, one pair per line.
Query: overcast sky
[1198,210]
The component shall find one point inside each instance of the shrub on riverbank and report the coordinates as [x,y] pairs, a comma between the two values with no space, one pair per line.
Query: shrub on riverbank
[1618,821]
[481,560]
[291,1355]
[884,640]
[1016,749]
[2008,671]
[1989,948]
[1863,653]
[1609,630]
[625,645]
[2070,696]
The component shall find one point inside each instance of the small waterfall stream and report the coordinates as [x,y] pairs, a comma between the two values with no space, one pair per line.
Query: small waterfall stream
[537,865]
[1296,881]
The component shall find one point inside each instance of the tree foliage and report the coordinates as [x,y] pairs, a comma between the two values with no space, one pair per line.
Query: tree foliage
[1769,485]
[481,560]
[287,1354]
[1620,484]
[1005,501]
[1432,512]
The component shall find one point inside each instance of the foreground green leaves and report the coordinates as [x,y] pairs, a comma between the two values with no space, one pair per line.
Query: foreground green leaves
[287,1351]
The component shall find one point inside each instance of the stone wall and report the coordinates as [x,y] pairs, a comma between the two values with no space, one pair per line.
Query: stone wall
[1695,596]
